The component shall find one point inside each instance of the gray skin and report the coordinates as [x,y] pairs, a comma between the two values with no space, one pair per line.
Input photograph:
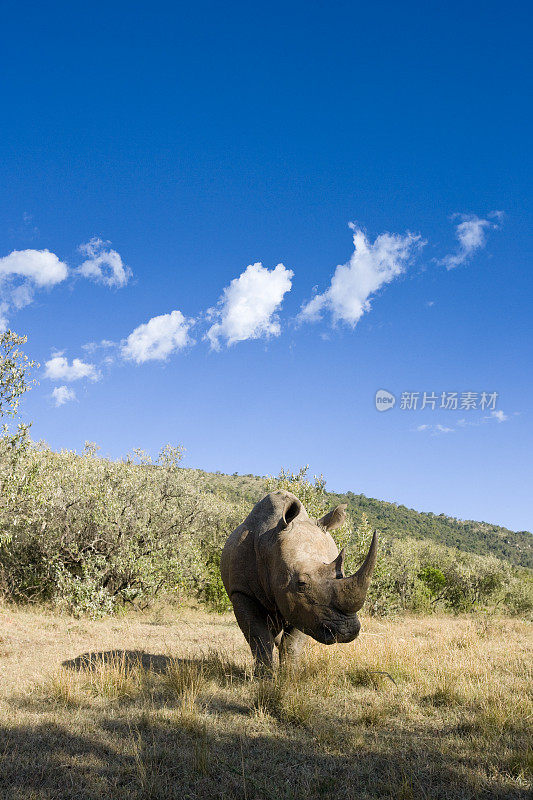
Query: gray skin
[285,579]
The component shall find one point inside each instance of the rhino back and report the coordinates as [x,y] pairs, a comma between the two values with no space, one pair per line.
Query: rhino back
[251,556]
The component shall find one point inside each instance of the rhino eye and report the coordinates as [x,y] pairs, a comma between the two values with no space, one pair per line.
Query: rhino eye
[301,585]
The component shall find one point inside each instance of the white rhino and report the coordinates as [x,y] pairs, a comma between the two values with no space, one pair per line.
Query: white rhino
[285,579]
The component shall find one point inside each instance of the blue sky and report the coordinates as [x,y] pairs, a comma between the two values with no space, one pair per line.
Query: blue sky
[159,151]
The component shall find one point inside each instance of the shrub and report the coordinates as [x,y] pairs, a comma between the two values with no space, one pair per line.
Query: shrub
[414,575]
[90,534]
[15,369]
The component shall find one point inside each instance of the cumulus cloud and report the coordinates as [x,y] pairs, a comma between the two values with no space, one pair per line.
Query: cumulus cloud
[62,395]
[58,369]
[494,416]
[156,339]
[103,344]
[435,430]
[23,272]
[471,233]
[247,307]
[371,266]
[41,267]
[103,264]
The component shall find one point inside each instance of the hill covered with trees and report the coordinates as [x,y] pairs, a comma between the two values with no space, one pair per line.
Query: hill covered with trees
[90,535]
[397,520]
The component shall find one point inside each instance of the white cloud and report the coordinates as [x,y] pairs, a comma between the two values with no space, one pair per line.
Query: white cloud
[103,265]
[92,347]
[22,272]
[58,369]
[4,322]
[247,307]
[435,430]
[472,235]
[494,416]
[41,267]
[157,338]
[62,395]
[371,266]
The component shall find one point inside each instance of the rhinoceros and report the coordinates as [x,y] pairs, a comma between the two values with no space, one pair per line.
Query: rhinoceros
[285,579]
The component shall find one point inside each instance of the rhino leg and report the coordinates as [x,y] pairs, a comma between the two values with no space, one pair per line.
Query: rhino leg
[254,623]
[290,646]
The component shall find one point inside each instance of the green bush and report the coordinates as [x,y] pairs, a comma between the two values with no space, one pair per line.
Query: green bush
[211,589]
[91,535]
[434,580]
[87,533]
[413,575]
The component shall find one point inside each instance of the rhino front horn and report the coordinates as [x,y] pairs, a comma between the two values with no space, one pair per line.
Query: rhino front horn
[351,591]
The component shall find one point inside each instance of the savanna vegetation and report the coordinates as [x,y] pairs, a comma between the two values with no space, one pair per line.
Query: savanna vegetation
[480,538]
[89,535]
[124,675]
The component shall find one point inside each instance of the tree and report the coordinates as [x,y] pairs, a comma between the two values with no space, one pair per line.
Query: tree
[15,368]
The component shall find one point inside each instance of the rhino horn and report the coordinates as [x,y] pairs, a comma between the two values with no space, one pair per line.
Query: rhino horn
[351,592]
[337,565]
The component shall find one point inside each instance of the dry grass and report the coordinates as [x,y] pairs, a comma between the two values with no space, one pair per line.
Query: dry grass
[156,707]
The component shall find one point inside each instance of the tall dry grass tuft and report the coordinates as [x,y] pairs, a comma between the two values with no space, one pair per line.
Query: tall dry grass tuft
[185,677]
[226,668]
[285,700]
[61,689]
[115,679]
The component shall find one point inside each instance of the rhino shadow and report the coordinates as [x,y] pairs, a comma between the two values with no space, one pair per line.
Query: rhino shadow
[129,658]
[155,662]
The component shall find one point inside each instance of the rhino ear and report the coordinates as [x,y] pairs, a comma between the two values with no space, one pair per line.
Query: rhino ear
[290,512]
[334,519]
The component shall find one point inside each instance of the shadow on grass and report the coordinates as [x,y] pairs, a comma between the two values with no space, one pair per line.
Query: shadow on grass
[148,759]
[210,665]
[134,678]
[131,659]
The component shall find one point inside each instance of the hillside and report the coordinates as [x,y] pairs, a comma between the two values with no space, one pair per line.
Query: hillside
[396,520]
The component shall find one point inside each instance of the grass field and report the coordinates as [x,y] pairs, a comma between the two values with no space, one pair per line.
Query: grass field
[164,707]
